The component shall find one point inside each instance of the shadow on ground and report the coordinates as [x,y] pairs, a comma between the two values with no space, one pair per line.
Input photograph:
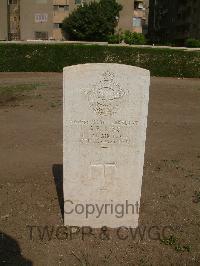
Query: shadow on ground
[57,170]
[10,252]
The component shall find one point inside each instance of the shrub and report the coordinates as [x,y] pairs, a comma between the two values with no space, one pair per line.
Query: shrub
[53,57]
[115,38]
[92,22]
[193,43]
[134,38]
[128,37]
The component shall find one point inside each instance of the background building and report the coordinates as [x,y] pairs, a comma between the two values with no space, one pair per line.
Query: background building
[42,19]
[140,15]
[3,20]
[174,21]
[36,20]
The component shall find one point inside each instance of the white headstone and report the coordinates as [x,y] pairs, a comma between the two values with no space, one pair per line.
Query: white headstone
[104,121]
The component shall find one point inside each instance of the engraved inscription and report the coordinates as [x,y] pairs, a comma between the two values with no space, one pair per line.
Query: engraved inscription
[104,174]
[103,135]
[106,95]
[99,132]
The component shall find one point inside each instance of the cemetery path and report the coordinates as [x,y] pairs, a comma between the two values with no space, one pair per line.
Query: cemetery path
[31,161]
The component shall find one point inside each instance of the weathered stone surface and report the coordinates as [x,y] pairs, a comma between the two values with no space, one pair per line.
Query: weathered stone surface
[104,121]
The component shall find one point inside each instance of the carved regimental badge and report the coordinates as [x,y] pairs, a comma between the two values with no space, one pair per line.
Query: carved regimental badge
[106,95]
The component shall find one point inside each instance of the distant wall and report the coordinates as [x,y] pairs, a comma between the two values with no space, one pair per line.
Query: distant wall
[3,20]
[126,15]
[28,24]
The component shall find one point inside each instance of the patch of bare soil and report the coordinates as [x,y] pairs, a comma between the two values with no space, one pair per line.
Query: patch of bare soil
[31,231]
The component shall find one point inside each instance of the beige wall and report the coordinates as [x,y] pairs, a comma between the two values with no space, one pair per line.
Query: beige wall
[126,15]
[28,25]
[60,2]
[3,20]
[58,17]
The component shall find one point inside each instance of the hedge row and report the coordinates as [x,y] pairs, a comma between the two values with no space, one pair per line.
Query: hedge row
[53,57]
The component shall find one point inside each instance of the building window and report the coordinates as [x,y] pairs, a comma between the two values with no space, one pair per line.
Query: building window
[12,2]
[66,8]
[41,35]
[61,8]
[137,22]
[80,2]
[55,8]
[41,18]
[138,5]
[57,25]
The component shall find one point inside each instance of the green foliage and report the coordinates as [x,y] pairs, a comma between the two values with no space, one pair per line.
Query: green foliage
[92,22]
[115,38]
[128,37]
[193,43]
[172,241]
[53,57]
[134,38]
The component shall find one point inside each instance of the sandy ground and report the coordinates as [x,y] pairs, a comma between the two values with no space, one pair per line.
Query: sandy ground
[31,181]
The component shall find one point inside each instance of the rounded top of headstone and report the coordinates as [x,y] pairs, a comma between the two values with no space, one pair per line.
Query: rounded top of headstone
[103,66]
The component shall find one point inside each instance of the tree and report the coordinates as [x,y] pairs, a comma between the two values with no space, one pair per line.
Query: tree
[92,22]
